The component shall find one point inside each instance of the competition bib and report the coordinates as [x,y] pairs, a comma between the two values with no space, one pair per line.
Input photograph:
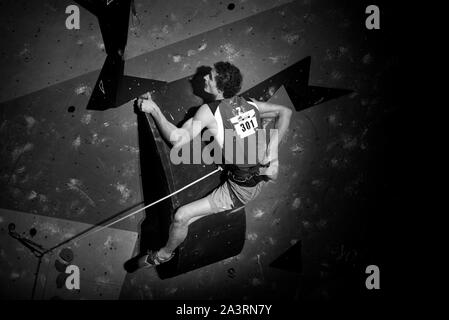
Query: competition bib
[245,123]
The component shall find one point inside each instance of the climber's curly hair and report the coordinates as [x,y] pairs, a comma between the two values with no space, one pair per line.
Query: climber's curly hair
[229,78]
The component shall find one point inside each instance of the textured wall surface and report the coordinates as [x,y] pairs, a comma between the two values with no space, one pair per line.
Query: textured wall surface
[59,160]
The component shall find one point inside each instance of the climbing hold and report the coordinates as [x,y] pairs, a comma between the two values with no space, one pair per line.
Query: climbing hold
[60,280]
[66,254]
[60,266]
[33,232]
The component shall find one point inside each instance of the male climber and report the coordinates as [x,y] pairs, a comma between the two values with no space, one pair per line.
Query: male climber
[229,113]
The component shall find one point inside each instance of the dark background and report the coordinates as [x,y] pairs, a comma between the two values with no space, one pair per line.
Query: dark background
[340,186]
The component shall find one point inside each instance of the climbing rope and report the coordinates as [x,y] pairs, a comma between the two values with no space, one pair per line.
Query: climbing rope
[93,230]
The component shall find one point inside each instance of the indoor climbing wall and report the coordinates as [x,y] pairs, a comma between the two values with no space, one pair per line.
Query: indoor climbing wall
[65,168]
